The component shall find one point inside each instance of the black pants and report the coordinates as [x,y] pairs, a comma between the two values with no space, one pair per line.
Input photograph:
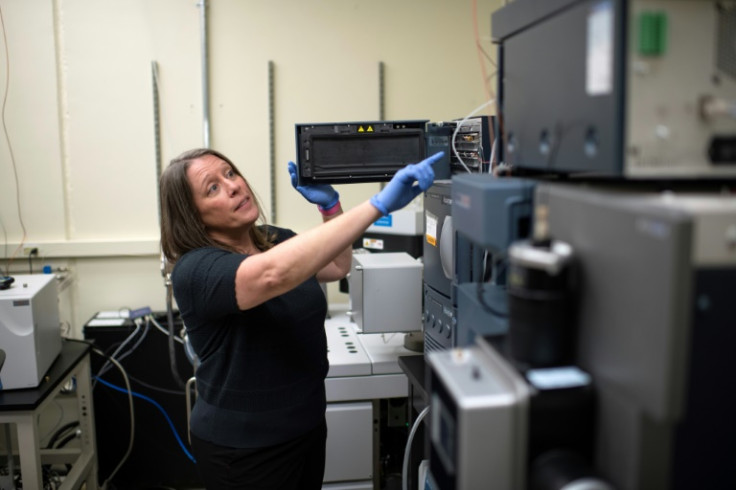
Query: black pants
[294,465]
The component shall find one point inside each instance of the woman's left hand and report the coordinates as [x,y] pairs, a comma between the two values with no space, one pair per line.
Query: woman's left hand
[323,195]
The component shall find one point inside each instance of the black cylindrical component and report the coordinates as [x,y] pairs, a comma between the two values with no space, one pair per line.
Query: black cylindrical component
[541,324]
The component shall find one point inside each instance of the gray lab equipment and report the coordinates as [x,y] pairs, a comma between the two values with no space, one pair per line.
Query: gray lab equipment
[641,89]
[490,213]
[30,332]
[495,426]
[479,408]
[440,252]
[386,292]
[657,275]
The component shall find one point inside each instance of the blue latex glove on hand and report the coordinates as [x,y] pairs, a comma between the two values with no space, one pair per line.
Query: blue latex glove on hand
[323,195]
[407,184]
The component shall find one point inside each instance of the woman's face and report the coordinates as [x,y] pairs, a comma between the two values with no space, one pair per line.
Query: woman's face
[225,202]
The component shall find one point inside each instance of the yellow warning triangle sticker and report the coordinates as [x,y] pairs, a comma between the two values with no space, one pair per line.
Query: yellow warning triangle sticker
[361,130]
[370,129]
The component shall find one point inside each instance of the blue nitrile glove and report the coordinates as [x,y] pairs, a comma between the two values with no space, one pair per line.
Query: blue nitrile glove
[323,195]
[406,185]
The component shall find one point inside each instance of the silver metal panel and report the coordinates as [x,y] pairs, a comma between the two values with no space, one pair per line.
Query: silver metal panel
[349,442]
[386,292]
[633,290]
[714,225]
[489,420]
[372,387]
[30,332]
[639,253]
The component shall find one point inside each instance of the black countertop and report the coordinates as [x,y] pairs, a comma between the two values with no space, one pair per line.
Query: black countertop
[30,398]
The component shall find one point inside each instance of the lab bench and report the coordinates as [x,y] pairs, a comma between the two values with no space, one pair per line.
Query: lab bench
[363,385]
[22,407]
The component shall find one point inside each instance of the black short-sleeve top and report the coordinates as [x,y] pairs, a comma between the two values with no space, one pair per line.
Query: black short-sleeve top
[261,375]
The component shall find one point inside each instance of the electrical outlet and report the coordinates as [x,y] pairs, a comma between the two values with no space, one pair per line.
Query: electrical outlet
[30,250]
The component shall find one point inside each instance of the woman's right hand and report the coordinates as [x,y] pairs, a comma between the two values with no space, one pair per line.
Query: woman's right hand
[408,182]
[323,195]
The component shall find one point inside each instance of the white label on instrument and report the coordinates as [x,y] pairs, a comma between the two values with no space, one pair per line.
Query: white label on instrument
[599,62]
[431,228]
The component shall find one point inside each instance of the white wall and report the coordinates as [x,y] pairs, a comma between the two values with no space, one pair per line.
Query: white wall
[79,113]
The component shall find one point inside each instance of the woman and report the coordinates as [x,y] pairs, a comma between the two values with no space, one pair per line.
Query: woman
[250,298]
